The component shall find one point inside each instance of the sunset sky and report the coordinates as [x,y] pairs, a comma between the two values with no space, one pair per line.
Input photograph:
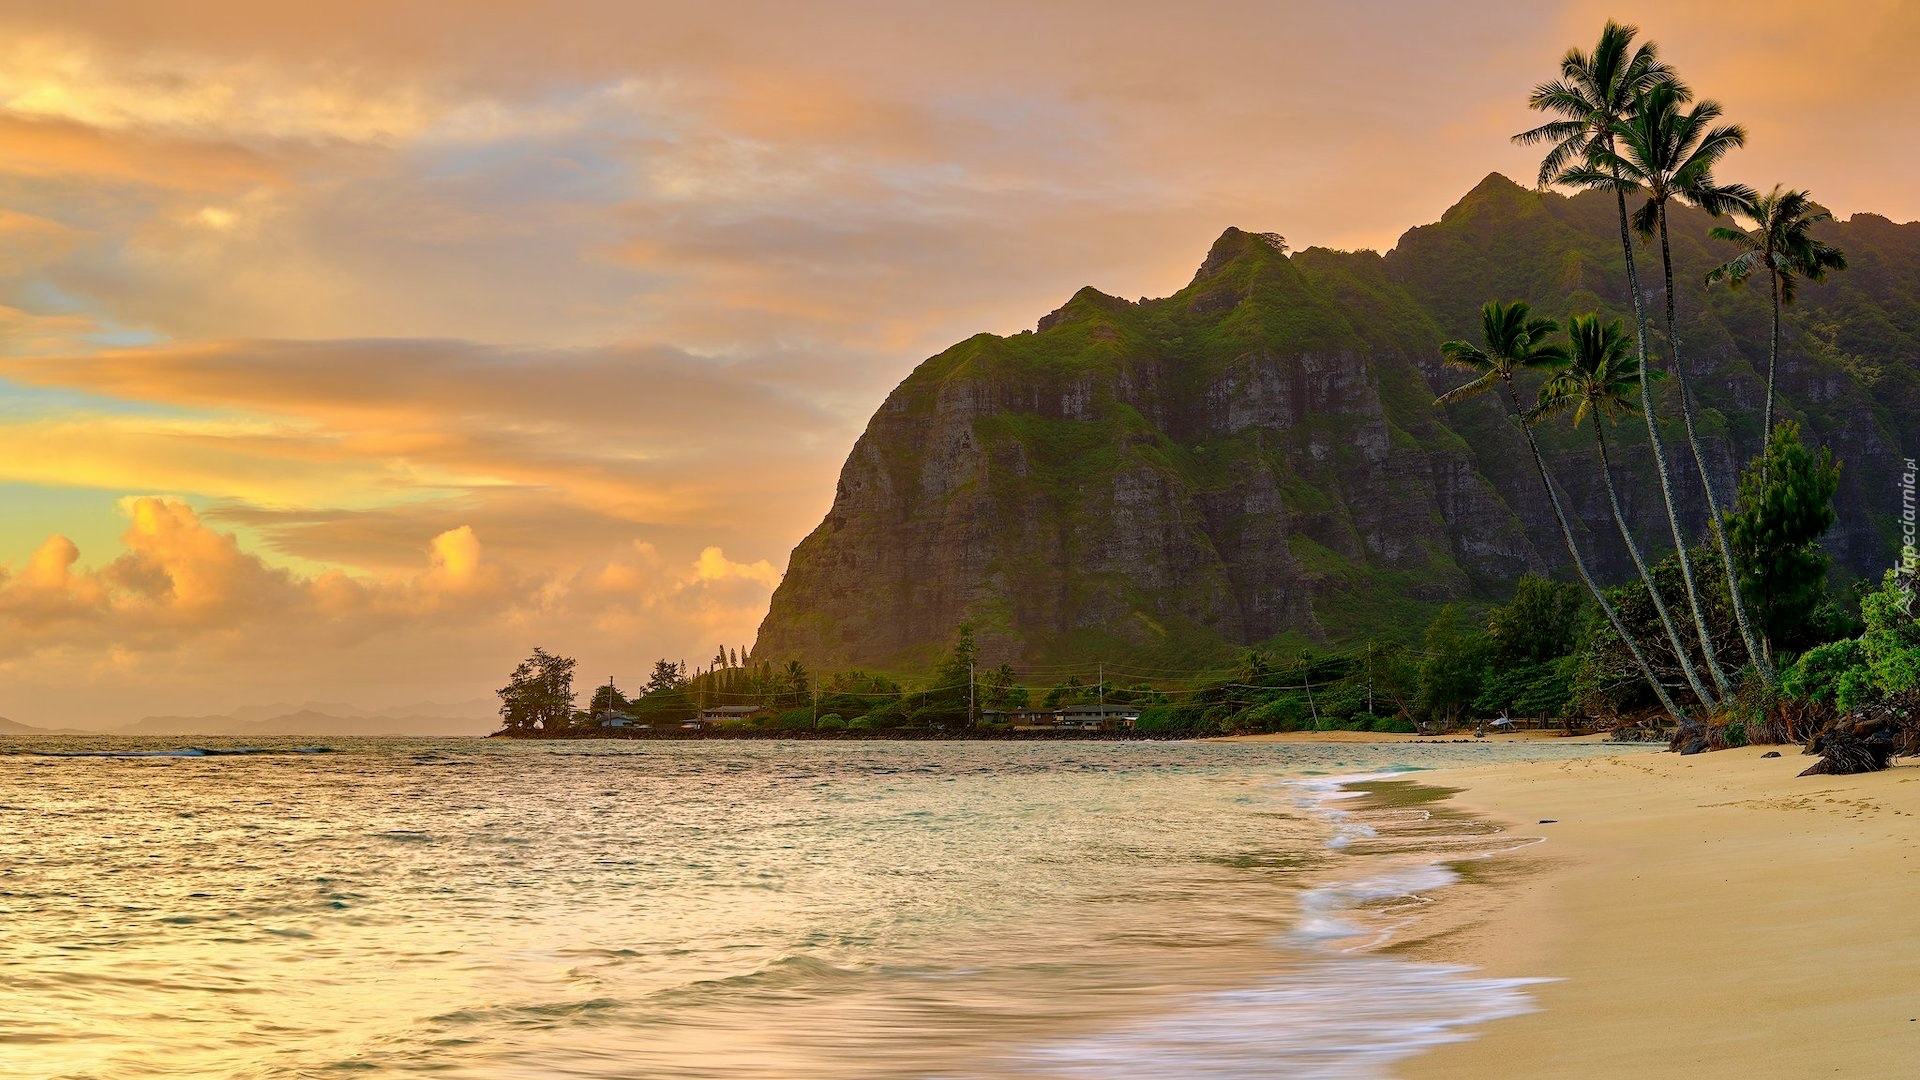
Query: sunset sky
[349,350]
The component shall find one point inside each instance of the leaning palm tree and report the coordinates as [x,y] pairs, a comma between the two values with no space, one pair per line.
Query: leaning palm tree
[1516,342]
[1782,244]
[1667,151]
[1602,378]
[1596,95]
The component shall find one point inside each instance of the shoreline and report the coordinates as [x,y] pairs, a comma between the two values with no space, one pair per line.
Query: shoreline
[1699,917]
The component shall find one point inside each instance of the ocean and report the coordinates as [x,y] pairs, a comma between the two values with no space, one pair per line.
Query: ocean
[680,910]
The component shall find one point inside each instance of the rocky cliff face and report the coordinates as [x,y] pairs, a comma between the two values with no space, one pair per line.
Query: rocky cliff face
[1257,457]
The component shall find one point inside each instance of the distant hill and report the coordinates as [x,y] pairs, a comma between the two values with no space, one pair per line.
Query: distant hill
[13,727]
[310,722]
[1257,458]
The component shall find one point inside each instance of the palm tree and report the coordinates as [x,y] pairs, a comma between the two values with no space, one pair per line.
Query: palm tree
[1782,243]
[1516,342]
[1601,377]
[1668,151]
[1596,95]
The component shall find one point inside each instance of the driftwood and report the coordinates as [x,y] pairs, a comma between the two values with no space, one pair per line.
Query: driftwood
[1869,739]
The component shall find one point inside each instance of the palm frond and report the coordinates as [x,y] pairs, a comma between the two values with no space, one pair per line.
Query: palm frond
[1479,386]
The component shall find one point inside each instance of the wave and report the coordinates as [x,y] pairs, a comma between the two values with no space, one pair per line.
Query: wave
[1340,1012]
[184,752]
[1345,1018]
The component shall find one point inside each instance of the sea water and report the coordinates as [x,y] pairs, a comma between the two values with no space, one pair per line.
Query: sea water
[791,910]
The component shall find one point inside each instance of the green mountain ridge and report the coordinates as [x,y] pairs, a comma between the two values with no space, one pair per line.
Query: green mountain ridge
[1257,458]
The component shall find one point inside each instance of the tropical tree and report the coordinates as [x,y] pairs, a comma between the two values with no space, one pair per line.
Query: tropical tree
[1002,690]
[1781,244]
[1785,506]
[539,694]
[1541,623]
[607,699]
[1516,342]
[1665,150]
[1596,96]
[666,675]
[1668,151]
[1602,378]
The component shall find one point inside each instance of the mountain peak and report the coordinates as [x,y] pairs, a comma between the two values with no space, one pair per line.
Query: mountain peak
[1084,302]
[1236,245]
[1493,192]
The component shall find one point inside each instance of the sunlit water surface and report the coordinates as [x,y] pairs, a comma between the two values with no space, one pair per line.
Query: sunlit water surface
[752,910]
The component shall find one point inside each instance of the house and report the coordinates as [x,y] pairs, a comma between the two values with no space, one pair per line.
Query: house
[612,719]
[1077,717]
[721,714]
[1025,719]
[1097,717]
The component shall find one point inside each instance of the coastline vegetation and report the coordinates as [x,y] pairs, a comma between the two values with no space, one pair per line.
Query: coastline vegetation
[1729,636]
[1756,585]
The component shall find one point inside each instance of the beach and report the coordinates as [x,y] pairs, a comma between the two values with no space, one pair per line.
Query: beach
[1706,916]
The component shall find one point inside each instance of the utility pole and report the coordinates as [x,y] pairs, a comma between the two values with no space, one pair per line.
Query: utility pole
[1308,677]
[1103,684]
[970,693]
[1370,678]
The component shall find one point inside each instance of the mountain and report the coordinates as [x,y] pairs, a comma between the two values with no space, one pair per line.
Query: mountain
[310,722]
[1257,458]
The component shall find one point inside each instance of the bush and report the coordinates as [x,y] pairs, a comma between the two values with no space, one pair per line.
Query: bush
[794,720]
[832,722]
[941,715]
[1176,722]
[860,723]
[1390,723]
[1816,676]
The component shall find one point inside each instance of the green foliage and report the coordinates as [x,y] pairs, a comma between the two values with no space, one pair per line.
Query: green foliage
[539,695]
[1540,689]
[833,722]
[1883,661]
[663,707]
[1542,622]
[1455,669]
[1070,692]
[1001,689]
[1816,675]
[1606,680]
[891,715]
[794,720]
[607,699]
[1785,506]
[667,675]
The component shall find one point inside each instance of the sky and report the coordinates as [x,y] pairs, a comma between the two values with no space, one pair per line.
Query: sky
[350,350]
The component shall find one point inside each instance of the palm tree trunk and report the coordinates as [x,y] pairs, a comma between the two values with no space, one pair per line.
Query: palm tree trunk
[1680,650]
[1747,636]
[1773,359]
[1580,565]
[1659,453]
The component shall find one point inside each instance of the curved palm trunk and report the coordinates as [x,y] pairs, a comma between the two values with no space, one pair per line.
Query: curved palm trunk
[1747,636]
[1773,356]
[1580,564]
[1707,651]
[1680,650]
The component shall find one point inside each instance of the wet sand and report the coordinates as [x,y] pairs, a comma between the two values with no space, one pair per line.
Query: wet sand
[1708,916]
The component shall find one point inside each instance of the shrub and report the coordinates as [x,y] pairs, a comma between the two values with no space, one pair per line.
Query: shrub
[1816,676]
[860,723]
[832,722]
